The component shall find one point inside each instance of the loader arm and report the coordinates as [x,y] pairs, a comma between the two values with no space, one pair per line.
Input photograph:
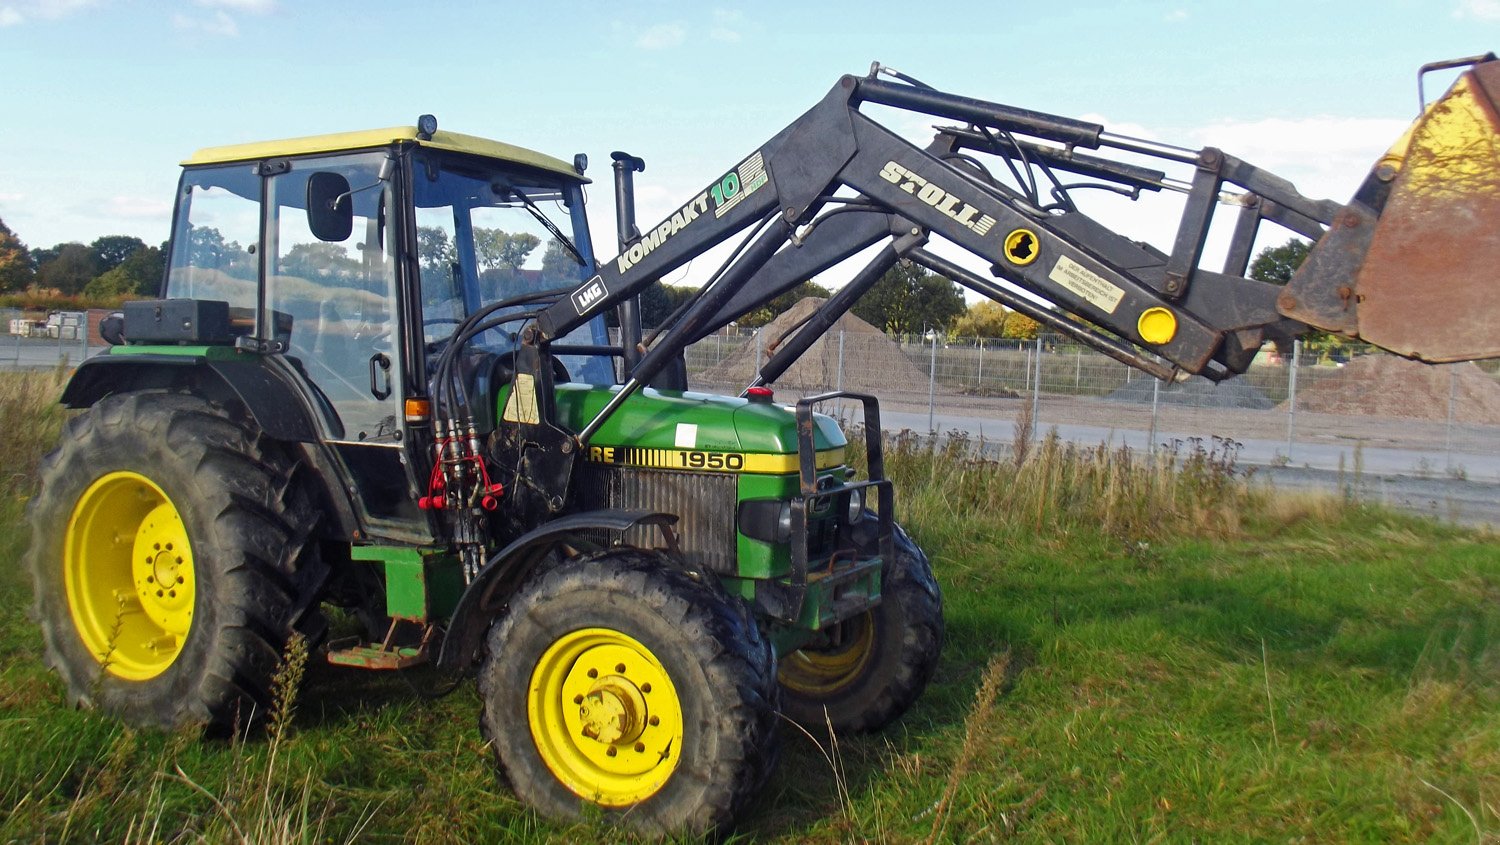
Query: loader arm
[835,182]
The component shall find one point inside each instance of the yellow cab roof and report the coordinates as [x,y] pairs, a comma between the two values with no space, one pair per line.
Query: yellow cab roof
[340,141]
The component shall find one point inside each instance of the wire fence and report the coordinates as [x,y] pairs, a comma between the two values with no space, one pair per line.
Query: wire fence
[1330,407]
[1348,407]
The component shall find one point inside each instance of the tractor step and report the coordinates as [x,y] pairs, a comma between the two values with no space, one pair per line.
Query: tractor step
[362,655]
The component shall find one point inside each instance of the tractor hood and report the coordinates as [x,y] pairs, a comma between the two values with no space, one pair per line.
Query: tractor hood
[695,431]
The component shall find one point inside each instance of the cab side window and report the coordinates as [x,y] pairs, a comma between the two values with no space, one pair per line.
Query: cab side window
[333,301]
[214,246]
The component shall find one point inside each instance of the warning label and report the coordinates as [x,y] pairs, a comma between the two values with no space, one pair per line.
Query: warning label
[1084,282]
[521,407]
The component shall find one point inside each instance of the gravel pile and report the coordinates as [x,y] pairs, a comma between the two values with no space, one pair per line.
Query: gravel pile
[1388,386]
[872,361]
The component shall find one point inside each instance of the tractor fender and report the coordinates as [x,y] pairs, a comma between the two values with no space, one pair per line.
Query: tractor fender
[277,406]
[491,589]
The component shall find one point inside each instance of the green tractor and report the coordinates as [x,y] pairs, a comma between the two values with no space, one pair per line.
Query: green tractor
[342,400]
[381,377]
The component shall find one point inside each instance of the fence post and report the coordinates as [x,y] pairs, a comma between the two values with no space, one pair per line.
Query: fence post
[760,338]
[979,381]
[932,388]
[1448,430]
[1077,370]
[1291,396]
[1151,435]
[1036,390]
[840,384]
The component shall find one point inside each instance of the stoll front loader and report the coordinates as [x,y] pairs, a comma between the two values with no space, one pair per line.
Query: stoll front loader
[379,377]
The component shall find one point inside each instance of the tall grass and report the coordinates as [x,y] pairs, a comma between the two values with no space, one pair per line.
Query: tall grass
[1053,488]
[1140,648]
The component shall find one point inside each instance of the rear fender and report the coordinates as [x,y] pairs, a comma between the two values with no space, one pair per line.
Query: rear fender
[277,407]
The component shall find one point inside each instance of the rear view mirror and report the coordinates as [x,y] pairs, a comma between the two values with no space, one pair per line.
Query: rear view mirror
[330,206]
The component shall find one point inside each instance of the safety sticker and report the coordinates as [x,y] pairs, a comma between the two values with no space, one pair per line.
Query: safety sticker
[1087,284]
[687,436]
[521,406]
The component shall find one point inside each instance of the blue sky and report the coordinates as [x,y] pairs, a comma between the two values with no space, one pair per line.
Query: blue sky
[102,98]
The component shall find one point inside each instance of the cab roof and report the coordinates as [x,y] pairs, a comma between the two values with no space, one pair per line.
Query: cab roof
[340,141]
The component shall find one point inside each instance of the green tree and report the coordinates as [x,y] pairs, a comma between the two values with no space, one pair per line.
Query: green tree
[434,249]
[140,274]
[319,260]
[497,249]
[16,272]
[70,271]
[778,306]
[659,301]
[908,299]
[557,262]
[110,251]
[1276,264]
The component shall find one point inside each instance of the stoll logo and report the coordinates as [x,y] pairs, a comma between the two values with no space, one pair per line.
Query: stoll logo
[950,204]
[586,297]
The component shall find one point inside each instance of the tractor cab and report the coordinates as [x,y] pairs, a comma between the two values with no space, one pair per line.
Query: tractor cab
[352,258]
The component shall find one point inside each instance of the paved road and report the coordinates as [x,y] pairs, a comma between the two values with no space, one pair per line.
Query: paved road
[1410,480]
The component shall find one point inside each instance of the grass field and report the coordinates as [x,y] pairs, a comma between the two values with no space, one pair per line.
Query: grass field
[1135,653]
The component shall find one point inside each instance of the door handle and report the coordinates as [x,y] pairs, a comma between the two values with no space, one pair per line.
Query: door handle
[380,376]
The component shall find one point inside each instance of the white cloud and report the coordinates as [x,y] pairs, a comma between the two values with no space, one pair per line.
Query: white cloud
[1175,15]
[137,208]
[20,11]
[662,36]
[11,196]
[1484,10]
[219,23]
[728,25]
[1324,156]
[254,7]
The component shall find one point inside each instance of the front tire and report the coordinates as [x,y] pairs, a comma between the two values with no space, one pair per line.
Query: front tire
[616,682]
[865,672]
[171,560]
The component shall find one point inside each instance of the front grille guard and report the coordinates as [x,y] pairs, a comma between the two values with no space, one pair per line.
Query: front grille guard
[787,603]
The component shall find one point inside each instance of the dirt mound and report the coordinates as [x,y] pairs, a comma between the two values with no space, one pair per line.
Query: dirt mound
[872,361]
[1388,386]
[1196,392]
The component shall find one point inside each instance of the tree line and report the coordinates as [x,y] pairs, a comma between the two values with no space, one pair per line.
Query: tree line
[110,267]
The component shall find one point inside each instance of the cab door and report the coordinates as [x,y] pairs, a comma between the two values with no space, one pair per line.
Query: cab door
[331,301]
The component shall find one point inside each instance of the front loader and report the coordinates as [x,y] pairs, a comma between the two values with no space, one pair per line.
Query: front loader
[380,377]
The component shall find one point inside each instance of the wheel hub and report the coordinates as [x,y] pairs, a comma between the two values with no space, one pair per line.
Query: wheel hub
[128,575]
[605,716]
[614,711]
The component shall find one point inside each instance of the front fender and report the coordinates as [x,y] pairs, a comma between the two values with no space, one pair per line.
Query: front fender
[487,594]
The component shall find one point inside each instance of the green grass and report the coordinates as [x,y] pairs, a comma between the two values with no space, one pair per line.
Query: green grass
[1137,651]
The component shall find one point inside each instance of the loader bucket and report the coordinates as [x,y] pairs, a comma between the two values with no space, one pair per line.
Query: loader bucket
[1412,264]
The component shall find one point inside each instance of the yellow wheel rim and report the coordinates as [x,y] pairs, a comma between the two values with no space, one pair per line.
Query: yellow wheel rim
[605,717]
[824,671]
[128,575]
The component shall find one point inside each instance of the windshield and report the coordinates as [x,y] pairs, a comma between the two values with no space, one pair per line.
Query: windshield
[487,233]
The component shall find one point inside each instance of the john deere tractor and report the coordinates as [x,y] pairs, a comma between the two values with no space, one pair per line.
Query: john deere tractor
[380,376]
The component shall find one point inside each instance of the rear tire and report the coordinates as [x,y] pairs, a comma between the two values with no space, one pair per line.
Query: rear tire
[865,672]
[617,683]
[171,560]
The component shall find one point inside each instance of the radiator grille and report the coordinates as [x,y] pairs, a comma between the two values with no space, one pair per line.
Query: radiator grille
[704,503]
